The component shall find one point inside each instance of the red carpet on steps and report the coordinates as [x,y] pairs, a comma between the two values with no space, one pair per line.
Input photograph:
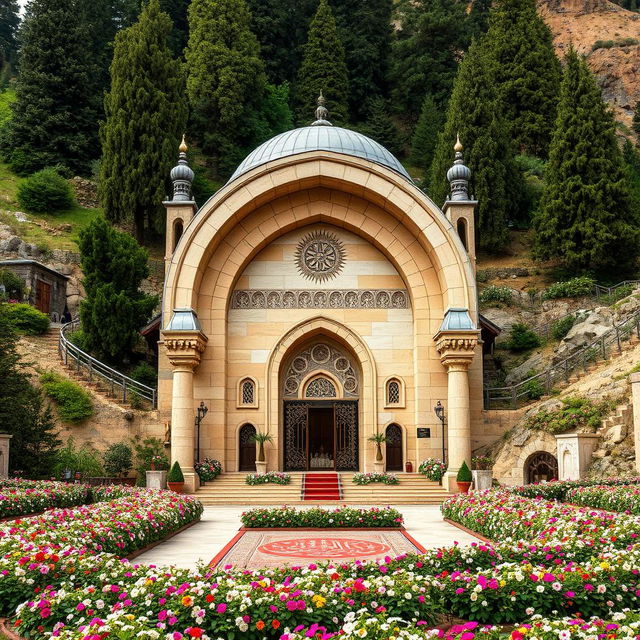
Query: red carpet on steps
[321,486]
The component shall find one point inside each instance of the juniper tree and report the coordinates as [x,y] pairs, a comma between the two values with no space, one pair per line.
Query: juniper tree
[323,69]
[115,308]
[55,119]
[145,115]
[526,72]
[585,217]
[472,113]
[226,78]
[425,136]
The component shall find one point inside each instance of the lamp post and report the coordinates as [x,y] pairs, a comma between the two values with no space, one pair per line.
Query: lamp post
[439,411]
[201,412]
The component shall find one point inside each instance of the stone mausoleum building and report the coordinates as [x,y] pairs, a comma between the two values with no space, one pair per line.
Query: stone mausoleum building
[321,297]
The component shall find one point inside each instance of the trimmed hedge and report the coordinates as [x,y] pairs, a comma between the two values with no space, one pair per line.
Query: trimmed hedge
[45,192]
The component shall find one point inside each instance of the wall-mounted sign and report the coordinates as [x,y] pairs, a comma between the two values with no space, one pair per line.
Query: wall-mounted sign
[424,432]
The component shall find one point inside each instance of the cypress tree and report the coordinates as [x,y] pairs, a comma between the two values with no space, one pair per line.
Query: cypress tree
[226,80]
[585,217]
[55,120]
[145,115]
[114,309]
[526,71]
[472,114]
[323,69]
[425,52]
[178,11]
[425,136]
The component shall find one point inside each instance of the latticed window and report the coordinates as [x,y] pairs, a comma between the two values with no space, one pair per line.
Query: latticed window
[248,392]
[393,392]
[321,388]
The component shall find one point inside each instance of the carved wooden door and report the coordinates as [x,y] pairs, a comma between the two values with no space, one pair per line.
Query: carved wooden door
[346,424]
[296,425]
[247,446]
[394,448]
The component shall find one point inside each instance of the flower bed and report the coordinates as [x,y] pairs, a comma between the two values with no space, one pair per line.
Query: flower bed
[613,498]
[271,477]
[343,517]
[370,478]
[433,469]
[19,498]
[209,469]
[557,489]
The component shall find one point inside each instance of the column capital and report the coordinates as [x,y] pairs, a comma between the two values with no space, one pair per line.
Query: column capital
[184,347]
[456,348]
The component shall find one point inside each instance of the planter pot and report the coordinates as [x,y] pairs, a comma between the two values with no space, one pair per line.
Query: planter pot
[178,487]
[482,479]
[378,467]
[261,467]
[156,479]
[463,487]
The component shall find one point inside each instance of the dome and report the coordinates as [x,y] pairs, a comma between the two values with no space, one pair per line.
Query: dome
[458,172]
[182,172]
[316,138]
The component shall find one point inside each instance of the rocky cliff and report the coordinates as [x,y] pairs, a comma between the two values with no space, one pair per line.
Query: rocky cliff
[585,22]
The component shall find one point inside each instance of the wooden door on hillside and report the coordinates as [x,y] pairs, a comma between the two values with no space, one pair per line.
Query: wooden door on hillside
[247,446]
[43,296]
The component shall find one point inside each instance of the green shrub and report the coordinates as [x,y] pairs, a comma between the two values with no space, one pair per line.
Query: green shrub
[13,285]
[84,459]
[118,459]
[617,295]
[26,318]
[147,451]
[73,402]
[77,338]
[464,473]
[574,414]
[522,338]
[493,294]
[45,192]
[574,288]
[609,44]
[533,388]
[145,374]
[560,328]
[175,473]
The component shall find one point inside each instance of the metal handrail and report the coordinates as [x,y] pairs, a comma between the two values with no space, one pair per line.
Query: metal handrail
[511,397]
[70,352]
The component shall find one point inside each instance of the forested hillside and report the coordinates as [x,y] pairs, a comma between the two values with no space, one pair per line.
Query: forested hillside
[105,88]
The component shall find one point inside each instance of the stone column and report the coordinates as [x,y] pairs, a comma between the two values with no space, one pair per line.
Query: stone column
[184,349]
[634,378]
[456,349]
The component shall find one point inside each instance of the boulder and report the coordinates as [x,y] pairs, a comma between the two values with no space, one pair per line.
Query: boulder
[596,324]
[537,362]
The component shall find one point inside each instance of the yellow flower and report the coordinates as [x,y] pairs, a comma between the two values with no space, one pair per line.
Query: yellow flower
[319,601]
[605,565]
[187,601]
[503,582]
[130,616]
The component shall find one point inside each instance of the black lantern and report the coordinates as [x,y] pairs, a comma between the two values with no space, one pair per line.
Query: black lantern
[439,411]
[201,412]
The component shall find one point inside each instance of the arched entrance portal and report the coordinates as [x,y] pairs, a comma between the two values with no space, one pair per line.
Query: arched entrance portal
[320,386]
[393,446]
[540,467]
[247,446]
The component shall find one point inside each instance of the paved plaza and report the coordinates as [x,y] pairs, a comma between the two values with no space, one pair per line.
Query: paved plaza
[219,525]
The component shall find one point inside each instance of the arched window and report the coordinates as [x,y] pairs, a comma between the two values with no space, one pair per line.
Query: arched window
[462,232]
[394,393]
[321,387]
[177,232]
[247,394]
[540,466]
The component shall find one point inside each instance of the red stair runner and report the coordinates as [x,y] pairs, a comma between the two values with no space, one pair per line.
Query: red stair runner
[321,486]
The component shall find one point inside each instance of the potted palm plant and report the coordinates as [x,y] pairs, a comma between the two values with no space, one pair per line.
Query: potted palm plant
[378,439]
[175,478]
[261,461]
[464,478]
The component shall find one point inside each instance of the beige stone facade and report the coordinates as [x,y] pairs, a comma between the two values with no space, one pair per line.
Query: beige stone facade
[321,277]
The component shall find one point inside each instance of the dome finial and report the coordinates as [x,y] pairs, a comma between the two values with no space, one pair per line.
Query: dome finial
[182,175]
[183,145]
[459,174]
[322,113]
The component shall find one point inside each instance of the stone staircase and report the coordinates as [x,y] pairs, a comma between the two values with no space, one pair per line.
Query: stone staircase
[230,488]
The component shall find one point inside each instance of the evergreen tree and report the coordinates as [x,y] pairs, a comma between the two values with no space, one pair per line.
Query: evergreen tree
[478,21]
[425,53]
[114,265]
[380,127]
[585,216]
[23,411]
[178,11]
[364,27]
[54,121]
[9,21]
[526,71]
[323,69]
[636,119]
[473,114]
[631,157]
[145,115]
[425,136]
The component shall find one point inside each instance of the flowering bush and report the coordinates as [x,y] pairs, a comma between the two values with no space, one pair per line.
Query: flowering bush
[208,470]
[575,414]
[369,478]
[273,477]
[342,517]
[433,469]
[482,463]
[557,489]
[613,498]
[20,497]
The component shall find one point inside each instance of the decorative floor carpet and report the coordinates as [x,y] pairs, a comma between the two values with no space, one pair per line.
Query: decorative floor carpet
[253,549]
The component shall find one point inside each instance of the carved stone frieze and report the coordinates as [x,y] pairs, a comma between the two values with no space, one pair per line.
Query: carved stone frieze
[184,348]
[320,299]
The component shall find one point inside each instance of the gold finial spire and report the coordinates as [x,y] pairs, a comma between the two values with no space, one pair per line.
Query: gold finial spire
[457,147]
[183,145]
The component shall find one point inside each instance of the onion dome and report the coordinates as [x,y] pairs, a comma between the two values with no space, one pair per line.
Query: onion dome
[182,176]
[459,175]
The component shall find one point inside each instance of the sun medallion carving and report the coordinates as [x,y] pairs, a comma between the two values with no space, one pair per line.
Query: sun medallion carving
[320,256]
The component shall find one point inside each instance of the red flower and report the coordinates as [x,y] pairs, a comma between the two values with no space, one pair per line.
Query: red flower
[275,624]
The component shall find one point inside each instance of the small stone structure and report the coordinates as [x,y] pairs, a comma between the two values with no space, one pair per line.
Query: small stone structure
[46,288]
[574,454]
[5,441]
